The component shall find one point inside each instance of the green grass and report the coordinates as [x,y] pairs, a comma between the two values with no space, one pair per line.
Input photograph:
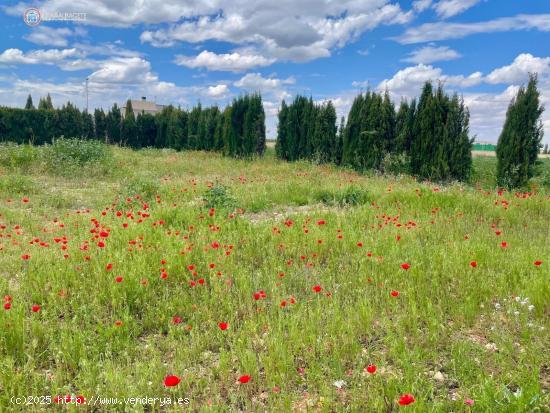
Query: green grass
[453,333]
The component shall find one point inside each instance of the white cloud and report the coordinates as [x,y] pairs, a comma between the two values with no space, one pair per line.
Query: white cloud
[518,71]
[449,8]
[255,81]
[49,36]
[444,30]
[298,31]
[421,5]
[217,91]
[132,70]
[362,85]
[35,57]
[430,54]
[233,62]
[407,82]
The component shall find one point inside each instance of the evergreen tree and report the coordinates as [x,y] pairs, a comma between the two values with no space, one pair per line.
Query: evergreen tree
[114,123]
[29,104]
[146,130]
[129,135]
[281,146]
[87,125]
[519,142]
[339,148]
[100,125]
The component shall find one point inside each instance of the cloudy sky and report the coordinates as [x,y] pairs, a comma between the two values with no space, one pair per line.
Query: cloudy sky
[182,52]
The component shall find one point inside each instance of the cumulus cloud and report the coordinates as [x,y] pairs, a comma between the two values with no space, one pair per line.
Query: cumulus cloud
[298,31]
[217,91]
[444,30]
[518,70]
[407,82]
[255,81]
[232,62]
[430,54]
[49,36]
[35,57]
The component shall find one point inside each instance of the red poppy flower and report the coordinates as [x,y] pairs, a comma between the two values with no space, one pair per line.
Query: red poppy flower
[171,381]
[223,326]
[321,222]
[35,308]
[25,257]
[118,323]
[538,263]
[473,264]
[359,244]
[317,288]
[25,200]
[118,279]
[503,244]
[7,306]
[406,399]
[405,266]
[283,304]
[215,245]
[176,320]
[371,368]
[394,293]
[244,379]
[101,244]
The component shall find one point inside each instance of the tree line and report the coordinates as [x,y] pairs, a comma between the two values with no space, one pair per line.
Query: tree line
[428,138]
[238,130]
[432,135]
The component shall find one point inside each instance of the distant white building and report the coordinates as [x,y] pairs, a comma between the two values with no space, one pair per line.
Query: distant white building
[143,106]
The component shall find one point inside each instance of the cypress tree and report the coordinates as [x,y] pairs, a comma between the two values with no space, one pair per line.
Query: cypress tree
[282,144]
[100,125]
[129,130]
[29,104]
[114,123]
[519,142]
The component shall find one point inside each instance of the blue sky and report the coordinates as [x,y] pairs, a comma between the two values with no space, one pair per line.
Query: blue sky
[182,52]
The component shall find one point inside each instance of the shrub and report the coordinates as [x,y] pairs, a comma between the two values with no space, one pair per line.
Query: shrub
[349,196]
[67,156]
[143,186]
[218,196]
[13,155]
[395,164]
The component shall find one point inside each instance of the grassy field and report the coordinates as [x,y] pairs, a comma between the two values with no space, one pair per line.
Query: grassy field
[268,286]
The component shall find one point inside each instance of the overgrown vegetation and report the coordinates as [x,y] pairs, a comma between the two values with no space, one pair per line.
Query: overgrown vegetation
[310,298]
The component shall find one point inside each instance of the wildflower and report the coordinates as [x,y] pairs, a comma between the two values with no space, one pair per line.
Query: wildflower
[171,381]
[406,399]
[473,264]
[35,308]
[405,266]
[538,263]
[118,279]
[244,379]
[371,368]
[317,288]
[223,326]
[176,319]
[394,293]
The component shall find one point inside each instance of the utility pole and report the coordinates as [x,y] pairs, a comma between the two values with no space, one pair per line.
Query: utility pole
[87,95]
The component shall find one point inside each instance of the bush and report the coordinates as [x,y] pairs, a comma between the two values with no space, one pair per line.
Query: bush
[395,164]
[13,155]
[218,196]
[350,196]
[67,156]
[145,187]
